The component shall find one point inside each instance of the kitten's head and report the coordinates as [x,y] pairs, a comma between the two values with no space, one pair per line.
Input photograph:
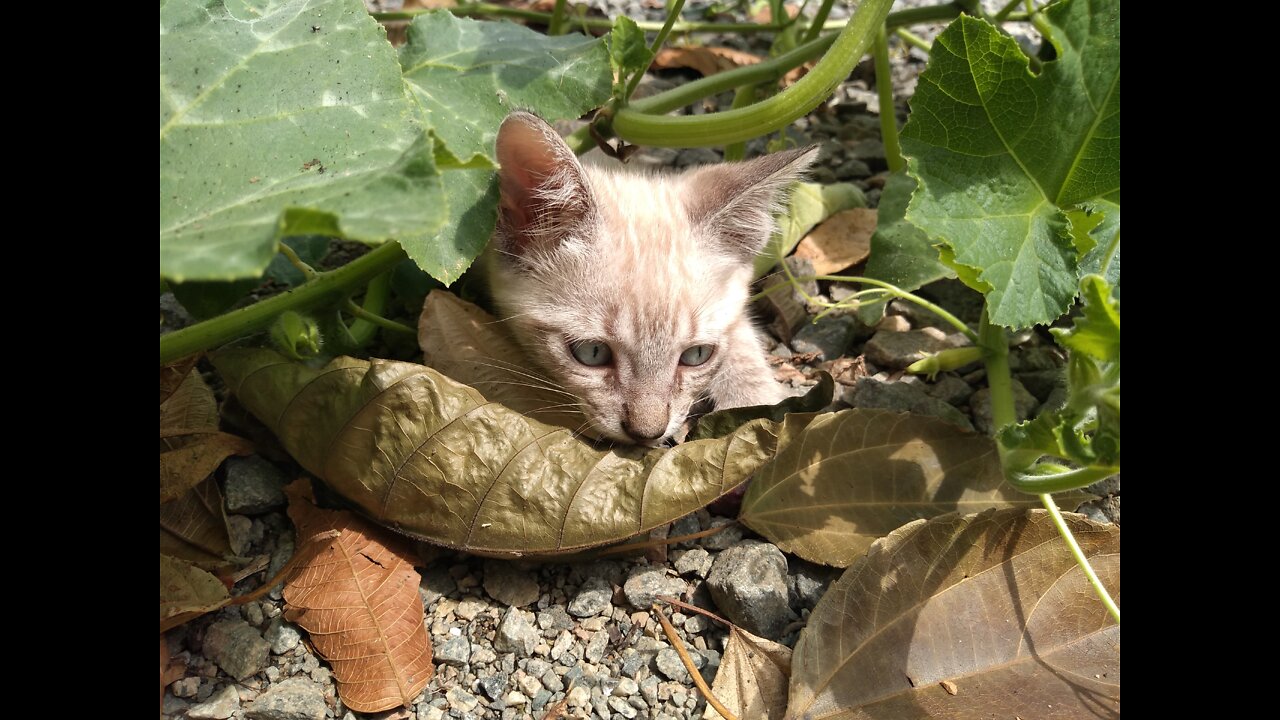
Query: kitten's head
[624,287]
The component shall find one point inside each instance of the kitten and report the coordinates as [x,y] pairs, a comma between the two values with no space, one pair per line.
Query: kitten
[629,289]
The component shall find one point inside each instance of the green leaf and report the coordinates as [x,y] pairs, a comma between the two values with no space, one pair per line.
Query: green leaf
[628,53]
[310,249]
[978,616]
[1003,155]
[1096,332]
[208,298]
[808,204]
[465,77]
[278,118]
[901,254]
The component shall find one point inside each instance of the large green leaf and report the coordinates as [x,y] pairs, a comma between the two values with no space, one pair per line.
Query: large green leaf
[1002,155]
[434,459]
[966,617]
[901,253]
[466,76]
[283,117]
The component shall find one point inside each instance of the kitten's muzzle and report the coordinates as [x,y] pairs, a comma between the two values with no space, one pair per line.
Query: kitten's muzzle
[646,422]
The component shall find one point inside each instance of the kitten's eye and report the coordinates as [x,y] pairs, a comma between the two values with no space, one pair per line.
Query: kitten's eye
[594,354]
[696,355]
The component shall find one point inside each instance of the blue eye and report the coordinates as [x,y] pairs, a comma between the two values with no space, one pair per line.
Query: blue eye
[696,355]
[594,353]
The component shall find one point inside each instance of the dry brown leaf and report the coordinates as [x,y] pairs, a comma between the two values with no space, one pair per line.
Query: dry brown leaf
[190,406]
[187,466]
[187,592]
[171,376]
[753,677]
[993,603]
[194,528]
[843,240]
[357,595]
[705,60]
[191,447]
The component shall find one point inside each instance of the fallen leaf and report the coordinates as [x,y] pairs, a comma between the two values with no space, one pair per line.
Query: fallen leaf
[846,370]
[436,460]
[472,347]
[722,422]
[357,595]
[842,480]
[843,240]
[752,679]
[191,447]
[995,600]
[187,406]
[187,592]
[188,465]
[172,376]
[194,528]
[705,60]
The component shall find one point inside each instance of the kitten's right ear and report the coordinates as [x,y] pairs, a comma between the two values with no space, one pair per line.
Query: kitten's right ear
[544,192]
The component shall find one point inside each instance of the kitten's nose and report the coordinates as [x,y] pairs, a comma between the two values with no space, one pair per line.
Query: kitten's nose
[645,422]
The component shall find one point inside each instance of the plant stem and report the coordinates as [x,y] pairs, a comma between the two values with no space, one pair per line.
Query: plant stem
[673,13]
[678,644]
[369,317]
[1111,254]
[914,40]
[1004,11]
[1061,481]
[742,97]
[324,289]
[766,116]
[556,26]
[1081,560]
[307,271]
[995,354]
[820,19]
[888,112]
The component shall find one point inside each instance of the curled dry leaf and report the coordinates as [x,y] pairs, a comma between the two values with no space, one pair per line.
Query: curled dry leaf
[752,679]
[993,603]
[187,592]
[472,347]
[191,447]
[705,60]
[436,460]
[194,528]
[842,480]
[841,241]
[356,593]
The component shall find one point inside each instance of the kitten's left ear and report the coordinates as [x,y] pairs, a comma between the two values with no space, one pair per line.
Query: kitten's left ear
[736,201]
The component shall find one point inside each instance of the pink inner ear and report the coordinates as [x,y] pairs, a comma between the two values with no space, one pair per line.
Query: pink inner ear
[541,184]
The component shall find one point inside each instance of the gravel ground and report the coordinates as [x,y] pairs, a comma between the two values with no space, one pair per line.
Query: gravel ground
[513,639]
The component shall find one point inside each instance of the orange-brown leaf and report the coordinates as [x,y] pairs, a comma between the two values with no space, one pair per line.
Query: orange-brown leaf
[842,240]
[187,592]
[357,595]
[706,60]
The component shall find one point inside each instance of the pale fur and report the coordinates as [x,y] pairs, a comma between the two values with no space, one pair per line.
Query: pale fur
[646,263]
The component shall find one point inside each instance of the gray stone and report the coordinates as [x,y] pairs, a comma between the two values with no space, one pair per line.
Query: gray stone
[592,599]
[470,607]
[565,649]
[950,389]
[622,707]
[830,337]
[185,688]
[1036,358]
[529,685]
[494,686]
[460,699]
[551,681]
[596,647]
[646,583]
[690,157]
[632,661]
[436,583]
[1106,509]
[808,585]
[282,635]
[236,647]
[540,700]
[897,350]
[669,664]
[1042,383]
[223,704]
[455,651]
[868,150]
[695,562]
[170,705]
[749,583]
[687,525]
[1024,405]
[509,584]
[554,619]
[728,537]
[893,324]
[292,699]
[254,486]
[240,533]
[853,170]
[696,624]
[902,397]
[516,633]
[626,688]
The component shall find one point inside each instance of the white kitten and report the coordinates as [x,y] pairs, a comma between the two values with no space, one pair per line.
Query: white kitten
[629,289]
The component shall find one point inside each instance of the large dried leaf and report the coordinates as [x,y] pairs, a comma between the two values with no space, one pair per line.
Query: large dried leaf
[194,528]
[355,591]
[187,592]
[191,448]
[187,405]
[752,679]
[172,376]
[992,605]
[435,459]
[707,60]
[842,480]
[471,346]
